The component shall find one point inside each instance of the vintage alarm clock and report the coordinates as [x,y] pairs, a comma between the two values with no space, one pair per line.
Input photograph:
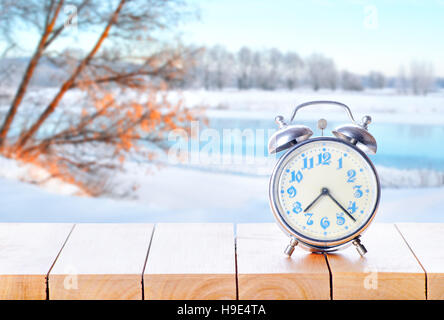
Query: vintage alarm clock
[324,191]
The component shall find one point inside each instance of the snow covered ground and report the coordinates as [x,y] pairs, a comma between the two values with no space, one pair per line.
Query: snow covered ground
[385,105]
[190,193]
[183,195]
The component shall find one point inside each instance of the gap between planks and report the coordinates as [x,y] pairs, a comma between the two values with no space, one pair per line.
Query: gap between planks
[412,281]
[55,260]
[425,241]
[27,252]
[191,261]
[388,271]
[146,260]
[101,261]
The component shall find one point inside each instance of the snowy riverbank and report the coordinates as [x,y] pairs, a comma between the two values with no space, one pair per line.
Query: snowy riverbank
[183,195]
[408,128]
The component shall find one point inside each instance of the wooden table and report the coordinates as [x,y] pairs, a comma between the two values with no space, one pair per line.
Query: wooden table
[214,261]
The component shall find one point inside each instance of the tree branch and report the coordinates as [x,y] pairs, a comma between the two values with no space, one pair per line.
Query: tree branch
[68,83]
[59,30]
[28,74]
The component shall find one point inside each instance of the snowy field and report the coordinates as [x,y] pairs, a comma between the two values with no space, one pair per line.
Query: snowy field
[383,105]
[413,190]
[194,196]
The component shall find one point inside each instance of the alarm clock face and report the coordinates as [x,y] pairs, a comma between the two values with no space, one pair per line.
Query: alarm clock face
[324,191]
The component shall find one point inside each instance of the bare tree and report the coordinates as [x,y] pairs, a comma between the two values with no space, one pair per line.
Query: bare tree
[273,69]
[245,66]
[293,65]
[401,81]
[205,69]
[350,81]
[73,141]
[421,77]
[376,80]
[322,72]
[269,69]
[220,66]
[258,72]
[226,69]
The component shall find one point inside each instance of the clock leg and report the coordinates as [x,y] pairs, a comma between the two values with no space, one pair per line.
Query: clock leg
[359,247]
[290,248]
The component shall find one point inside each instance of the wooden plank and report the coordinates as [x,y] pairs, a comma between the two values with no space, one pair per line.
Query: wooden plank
[101,261]
[388,271]
[191,261]
[426,241]
[27,252]
[264,272]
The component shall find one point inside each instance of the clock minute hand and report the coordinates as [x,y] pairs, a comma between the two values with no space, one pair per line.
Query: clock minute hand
[340,206]
[323,192]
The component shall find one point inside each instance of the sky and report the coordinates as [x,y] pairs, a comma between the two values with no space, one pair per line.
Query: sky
[359,35]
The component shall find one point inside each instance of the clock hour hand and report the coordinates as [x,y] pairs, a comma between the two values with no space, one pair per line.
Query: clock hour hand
[323,192]
[340,206]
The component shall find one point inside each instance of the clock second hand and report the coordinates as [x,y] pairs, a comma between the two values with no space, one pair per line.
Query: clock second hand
[340,206]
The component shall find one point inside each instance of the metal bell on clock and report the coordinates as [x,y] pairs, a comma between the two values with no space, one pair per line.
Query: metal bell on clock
[287,136]
[358,135]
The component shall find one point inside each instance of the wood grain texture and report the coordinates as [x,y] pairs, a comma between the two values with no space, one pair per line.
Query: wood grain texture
[101,261]
[191,261]
[426,240]
[264,272]
[27,252]
[388,271]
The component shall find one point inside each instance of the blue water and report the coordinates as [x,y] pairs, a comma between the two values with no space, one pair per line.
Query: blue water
[402,146]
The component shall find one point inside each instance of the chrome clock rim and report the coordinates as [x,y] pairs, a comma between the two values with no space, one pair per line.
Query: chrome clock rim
[319,245]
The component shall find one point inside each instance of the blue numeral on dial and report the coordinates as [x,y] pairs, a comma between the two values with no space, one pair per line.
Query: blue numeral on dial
[324,158]
[308,163]
[296,176]
[340,220]
[325,223]
[291,192]
[339,164]
[358,193]
[309,221]
[351,175]
[352,207]
[297,207]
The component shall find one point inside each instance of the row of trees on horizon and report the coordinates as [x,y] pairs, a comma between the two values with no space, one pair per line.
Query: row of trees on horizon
[216,68]
[270,69]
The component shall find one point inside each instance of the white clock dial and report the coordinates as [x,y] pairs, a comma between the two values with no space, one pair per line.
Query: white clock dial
[326,190]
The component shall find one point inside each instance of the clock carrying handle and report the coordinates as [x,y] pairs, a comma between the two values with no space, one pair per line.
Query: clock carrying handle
[306,104]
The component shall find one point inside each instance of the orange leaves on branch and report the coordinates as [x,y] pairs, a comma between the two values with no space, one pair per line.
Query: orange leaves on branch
[138,110]
[155,115]
[107,100]
[109,125]
[112,127]
[146,125]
